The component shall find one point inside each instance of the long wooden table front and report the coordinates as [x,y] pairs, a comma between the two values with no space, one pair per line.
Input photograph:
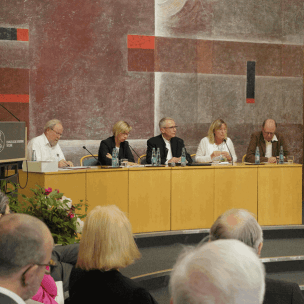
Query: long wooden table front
[162,199]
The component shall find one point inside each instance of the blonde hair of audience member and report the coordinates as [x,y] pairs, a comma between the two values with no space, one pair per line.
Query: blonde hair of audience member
[121,127]
[51,124]
[162,122]
[215,125]
[220,272]
[238,224]
[107,241]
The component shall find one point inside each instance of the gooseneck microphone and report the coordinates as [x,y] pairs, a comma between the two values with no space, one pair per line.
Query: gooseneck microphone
[133,150]
[225,141]
[84,147]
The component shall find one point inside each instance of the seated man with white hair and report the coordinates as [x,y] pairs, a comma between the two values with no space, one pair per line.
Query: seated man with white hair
[241,225]
[46,145]
[221,272]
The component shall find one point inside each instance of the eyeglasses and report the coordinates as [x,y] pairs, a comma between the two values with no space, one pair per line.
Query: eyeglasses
[59,134]
[46,271]
[173,127]
[269,133]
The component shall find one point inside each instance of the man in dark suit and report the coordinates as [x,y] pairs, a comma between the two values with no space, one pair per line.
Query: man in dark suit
[25,250]
[269,142]
[169,145]
[241,225]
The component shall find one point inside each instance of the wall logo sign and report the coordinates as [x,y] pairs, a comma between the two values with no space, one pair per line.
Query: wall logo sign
[2,141]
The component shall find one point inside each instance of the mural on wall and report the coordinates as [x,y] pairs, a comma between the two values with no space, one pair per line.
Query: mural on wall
[92,63]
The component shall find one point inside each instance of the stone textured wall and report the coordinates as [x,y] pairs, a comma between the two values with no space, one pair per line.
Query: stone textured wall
[79,69]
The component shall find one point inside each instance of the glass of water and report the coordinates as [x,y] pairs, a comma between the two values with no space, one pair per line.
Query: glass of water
[290,159]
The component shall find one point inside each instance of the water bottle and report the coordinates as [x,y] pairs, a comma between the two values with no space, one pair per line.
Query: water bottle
[281,155]
[153,159]
[34,157]
[158,161]
[257,155]
[114,158]
[183,158]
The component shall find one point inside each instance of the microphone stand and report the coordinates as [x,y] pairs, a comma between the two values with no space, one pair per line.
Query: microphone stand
[228,150]
[84,147]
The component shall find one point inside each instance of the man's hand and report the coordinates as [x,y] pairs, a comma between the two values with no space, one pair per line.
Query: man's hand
[174,160]
[272,159]
[64,163]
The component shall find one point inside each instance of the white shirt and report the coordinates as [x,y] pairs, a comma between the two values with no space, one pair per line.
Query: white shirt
[168,146]
[44,150]
[205,149]
[269,146]
[12,295]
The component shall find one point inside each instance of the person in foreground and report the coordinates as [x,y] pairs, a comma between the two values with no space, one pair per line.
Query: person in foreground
[241,225]
[121,131]
[269,142]
[25,250]
[107,245]
[169,145]
[46,145]
[221,272]
[214,144]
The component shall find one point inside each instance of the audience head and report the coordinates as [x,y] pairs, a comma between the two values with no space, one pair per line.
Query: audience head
[107,241]
[238,224]
[53,130]
[167,127]
[4,204]
[217,129]
[25,244]
[220,272]
[121,130]
[268,129]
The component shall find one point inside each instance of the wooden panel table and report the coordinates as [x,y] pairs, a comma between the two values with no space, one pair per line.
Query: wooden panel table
[235,187]
[70,183]
[280,194]
[149,199]
[192,197]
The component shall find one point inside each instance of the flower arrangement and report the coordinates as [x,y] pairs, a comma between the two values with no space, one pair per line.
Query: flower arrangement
[57,211]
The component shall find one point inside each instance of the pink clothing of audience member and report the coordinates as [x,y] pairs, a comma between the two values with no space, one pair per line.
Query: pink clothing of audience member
[47,290]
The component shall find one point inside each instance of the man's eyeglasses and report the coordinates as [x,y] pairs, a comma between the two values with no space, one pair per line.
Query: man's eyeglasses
[269,133]
[173,127]
[46,271]
[59,134]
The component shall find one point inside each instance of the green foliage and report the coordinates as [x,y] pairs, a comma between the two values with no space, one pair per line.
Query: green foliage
[55,210]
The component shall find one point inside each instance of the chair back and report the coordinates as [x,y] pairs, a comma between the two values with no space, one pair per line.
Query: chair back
[243,158]
[142,160]
[89,160]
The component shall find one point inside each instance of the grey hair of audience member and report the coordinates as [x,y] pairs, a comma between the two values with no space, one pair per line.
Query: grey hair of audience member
[4,202]
[238,224]
[221,272]
[51,124]
[162,122]
[21,240]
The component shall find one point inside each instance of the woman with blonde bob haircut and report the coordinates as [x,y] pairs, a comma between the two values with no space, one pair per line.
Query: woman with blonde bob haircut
[107,245]
[214,145]
[121,131]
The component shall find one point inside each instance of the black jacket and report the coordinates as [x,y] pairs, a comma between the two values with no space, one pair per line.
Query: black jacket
[107,146]
[158,142]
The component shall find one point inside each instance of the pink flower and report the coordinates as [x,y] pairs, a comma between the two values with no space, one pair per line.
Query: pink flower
[48,191]
[71,214]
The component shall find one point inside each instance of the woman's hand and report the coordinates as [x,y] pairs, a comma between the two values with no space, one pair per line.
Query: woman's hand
[109,155]
[227,155]
[215,154]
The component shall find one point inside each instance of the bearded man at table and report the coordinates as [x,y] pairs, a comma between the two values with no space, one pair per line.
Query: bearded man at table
[46,145]
[269,142]
[169,145]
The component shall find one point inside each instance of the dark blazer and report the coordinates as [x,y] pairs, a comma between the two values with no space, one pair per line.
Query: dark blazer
[107,146]
[5,299]
[111,287]
[158,142]
[281,292]
[257,139]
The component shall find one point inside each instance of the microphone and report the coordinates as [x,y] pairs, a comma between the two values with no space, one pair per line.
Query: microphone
[225,141]
[133,150]
[84,147]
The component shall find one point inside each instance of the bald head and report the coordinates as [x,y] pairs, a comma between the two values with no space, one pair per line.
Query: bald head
[23,241]
[238,224]
[268,128]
